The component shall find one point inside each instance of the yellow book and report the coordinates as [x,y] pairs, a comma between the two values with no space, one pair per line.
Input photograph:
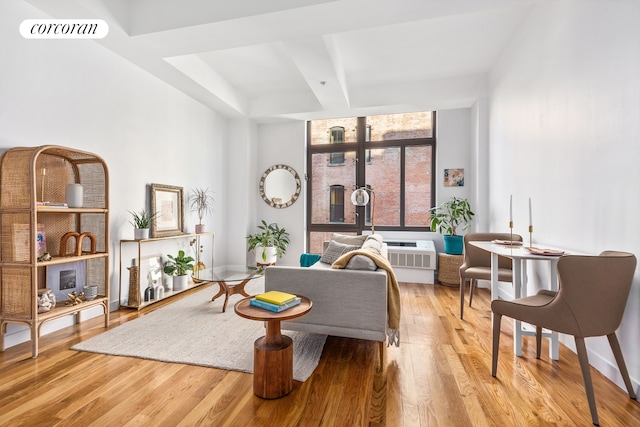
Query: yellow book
[276,297]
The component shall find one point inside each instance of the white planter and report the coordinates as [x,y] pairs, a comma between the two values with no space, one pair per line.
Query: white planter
[271,253]
[140,233]
[180,282]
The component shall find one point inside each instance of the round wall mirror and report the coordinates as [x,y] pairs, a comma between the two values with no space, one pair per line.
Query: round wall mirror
[280,186]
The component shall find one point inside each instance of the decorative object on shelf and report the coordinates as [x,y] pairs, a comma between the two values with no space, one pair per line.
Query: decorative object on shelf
[90,292]
[46,300]
[74,299]
[151,270]
[201,202]
[199,266]
[177,267]
[360,197]
[74,194]
[79,238]
[63,279]
[271,242]
[41,241]
[45,257]
[167,202]
[149,293]
[159,289]
[446,219]
[134,285]
[280,186]
[141,222]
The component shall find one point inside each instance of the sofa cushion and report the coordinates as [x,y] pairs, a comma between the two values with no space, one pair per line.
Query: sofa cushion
[373,242]
[335,250]
[349,240]
[361,262]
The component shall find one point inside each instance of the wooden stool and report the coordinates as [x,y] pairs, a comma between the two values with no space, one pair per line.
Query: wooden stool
[449,269]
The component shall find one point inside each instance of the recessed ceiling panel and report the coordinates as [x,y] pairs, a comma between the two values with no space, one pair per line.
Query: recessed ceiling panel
[429,49]
[148,16]
[257,71]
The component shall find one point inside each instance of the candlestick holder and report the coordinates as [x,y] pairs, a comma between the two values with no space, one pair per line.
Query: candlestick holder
[511,230]
[531,236]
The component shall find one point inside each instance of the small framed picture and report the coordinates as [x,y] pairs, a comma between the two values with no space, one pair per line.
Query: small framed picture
[168,205]
[454,177]
[63,279]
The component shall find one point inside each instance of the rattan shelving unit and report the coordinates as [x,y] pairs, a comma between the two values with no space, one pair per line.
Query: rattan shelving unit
[29,175]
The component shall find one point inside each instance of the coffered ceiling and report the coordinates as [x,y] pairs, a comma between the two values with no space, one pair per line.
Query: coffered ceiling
[301,59]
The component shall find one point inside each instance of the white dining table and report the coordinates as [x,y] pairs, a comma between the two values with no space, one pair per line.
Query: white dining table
[520,255]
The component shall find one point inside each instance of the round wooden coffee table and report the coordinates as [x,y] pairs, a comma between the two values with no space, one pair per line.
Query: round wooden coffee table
[273,353]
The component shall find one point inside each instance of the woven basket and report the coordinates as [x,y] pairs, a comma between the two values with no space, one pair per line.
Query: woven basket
[449,269]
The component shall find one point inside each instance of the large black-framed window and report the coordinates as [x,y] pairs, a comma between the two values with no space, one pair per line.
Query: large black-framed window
[392,156]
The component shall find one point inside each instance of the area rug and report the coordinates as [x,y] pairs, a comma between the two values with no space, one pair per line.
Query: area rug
[193,330]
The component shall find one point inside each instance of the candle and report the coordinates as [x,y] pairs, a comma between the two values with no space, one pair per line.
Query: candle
[530,218]
[511,208]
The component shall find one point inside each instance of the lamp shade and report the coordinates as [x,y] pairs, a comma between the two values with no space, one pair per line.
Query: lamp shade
[360,197]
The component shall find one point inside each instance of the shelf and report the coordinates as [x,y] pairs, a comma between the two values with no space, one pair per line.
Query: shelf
[177,236]
[63,310]
[133,281]
[72,258]
[42,210]
[167,294]
[31,174]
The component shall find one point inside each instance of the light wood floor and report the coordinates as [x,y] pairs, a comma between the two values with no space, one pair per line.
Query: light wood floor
[440,376]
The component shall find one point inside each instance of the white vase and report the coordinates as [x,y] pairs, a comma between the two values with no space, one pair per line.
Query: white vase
[74,195]
[271,255]
[180,282]
[140,233]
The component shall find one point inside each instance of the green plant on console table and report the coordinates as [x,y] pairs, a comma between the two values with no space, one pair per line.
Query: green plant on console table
[179,265]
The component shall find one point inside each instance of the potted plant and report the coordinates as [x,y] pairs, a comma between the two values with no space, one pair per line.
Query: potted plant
[177,267]
[271,243]
[201,202]
[141,222]
[446,218]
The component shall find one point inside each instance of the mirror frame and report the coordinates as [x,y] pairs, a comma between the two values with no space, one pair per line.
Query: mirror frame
[296,178]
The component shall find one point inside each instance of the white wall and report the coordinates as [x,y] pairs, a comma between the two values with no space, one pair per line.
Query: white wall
[77,94]
[283,143]
[564,130]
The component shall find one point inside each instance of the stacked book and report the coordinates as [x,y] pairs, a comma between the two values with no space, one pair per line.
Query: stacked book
[275,301]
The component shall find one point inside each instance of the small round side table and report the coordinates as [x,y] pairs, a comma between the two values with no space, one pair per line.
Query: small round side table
[273,353]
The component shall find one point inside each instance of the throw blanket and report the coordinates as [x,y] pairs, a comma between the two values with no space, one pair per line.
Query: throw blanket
[393,292]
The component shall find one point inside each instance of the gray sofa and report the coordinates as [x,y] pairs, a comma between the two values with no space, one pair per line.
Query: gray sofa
[346,302]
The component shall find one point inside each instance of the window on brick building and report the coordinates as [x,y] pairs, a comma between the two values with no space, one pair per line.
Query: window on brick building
[398,153]
[336,203]
[336,137]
